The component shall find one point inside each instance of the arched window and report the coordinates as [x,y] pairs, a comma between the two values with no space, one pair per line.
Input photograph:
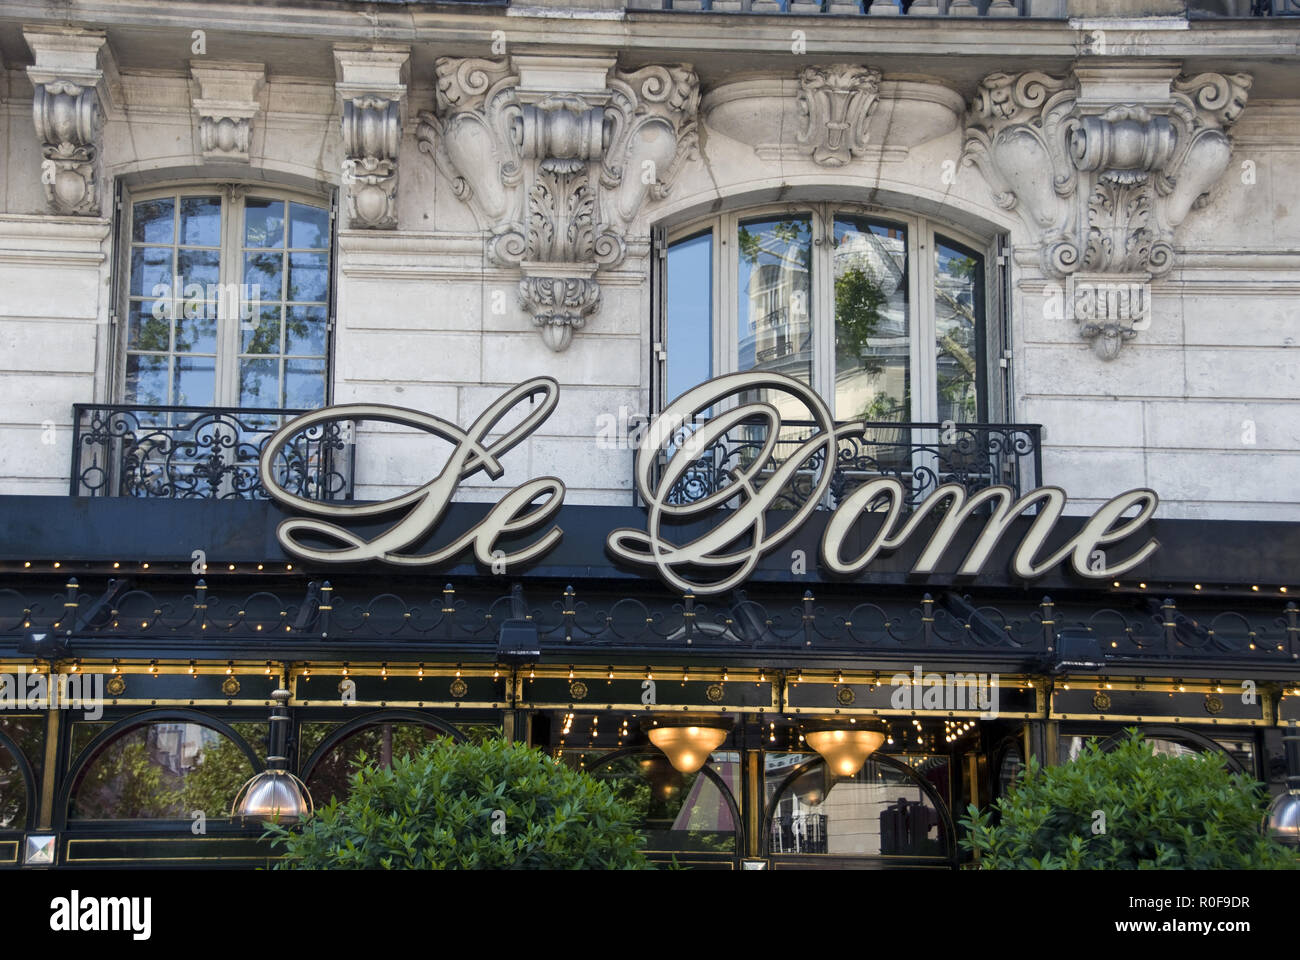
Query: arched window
[381,742]
[883,314]
[886,810]
[161,770]
[226,298]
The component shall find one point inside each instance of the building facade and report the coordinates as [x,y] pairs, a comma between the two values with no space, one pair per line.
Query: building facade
[773,367]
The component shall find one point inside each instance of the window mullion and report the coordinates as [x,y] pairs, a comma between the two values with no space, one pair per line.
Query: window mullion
[925,405]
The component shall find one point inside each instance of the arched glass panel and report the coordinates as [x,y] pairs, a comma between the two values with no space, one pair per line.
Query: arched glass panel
[381,743]
[883,811]
[13,792]
[161,770]
[774,296]
[679,812]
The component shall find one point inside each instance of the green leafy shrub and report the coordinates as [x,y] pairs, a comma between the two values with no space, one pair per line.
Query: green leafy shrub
[1160,812]
[462,806]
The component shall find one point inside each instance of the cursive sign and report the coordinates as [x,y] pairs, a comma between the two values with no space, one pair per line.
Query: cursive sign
[743,536]
[747,528]
[516,512]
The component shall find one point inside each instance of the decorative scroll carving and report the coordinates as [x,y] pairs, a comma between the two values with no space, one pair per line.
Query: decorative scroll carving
[66,115]
[559,175]
[1101,181]
[371,88]
[72,81]
[835,104]
[372,133]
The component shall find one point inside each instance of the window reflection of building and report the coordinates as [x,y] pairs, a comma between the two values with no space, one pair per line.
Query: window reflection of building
[178,747]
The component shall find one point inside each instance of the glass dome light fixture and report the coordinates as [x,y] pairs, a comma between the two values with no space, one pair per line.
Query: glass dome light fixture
[846,748]
[688,741]
[275,794]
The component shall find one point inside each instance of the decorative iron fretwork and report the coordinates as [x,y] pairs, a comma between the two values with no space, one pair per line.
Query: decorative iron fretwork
[922,455]
[1146,630]
[203,453]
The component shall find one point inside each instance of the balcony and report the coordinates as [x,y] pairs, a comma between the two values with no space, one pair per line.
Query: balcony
[923,456]
[202,453]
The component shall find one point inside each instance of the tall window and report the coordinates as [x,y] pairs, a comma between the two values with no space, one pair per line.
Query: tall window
[883,315]
[227,299]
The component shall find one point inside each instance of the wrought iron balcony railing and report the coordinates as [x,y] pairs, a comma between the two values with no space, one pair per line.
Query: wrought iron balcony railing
[210,453]
[922,456]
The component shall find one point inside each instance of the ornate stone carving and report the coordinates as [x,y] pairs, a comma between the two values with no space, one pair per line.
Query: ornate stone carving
[832,114]
[835,103]
[372,133]
[66,115]
[69,92]
[371,86]
[557,156]
[228,99]
[1104,166]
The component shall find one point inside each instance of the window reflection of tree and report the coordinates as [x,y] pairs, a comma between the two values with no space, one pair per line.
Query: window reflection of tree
[13,791]
[161,770]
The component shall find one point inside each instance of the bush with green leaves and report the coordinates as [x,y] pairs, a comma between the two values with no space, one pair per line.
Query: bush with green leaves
[1127,809]
[464,806]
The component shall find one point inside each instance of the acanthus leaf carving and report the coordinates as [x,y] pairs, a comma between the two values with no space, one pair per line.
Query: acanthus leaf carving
[1103,186]
[835,103]
[558,176]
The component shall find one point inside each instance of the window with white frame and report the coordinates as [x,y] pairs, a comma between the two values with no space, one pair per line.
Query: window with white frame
[227,298]
[883,314]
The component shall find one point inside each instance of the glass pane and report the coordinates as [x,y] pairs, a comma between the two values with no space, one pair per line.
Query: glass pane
[146,379]
[690,315]
[304,384]
[265,271]
[201,221]
[151,267]
[263,335]
[194,382]
[880,811]
[959,330]
[198,269]
[308,276]
[774,321]
[152,221]
[28,733]
[305,335]
[259,383]
[381,743]
[196,329]
[263,222]
[872,327]
[147,325]
[13,792]
[161,771]
[310,227]
[678,811]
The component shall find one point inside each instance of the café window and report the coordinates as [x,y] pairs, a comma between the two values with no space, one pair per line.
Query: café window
[227,298]
[885,315]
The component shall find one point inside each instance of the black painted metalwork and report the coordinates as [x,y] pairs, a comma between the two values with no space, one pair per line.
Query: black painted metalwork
[1136,629]
[210,453]
[921,455]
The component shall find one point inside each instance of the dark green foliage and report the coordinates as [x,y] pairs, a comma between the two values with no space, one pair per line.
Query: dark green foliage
[1161,812]
[463,806]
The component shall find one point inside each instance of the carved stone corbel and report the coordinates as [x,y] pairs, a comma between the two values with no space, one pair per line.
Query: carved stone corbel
[228,98]
[371,87]
[835,103]
[557,156]
[68,78]
[1103,167]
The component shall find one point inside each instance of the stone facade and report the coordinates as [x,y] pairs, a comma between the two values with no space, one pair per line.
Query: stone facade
[499,173]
